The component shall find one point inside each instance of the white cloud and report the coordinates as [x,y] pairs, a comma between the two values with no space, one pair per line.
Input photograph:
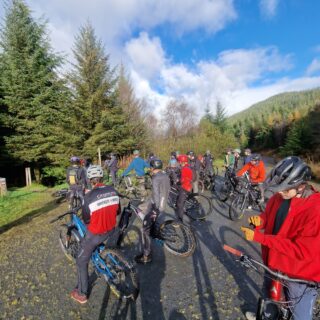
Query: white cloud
[269,7]
[314,67]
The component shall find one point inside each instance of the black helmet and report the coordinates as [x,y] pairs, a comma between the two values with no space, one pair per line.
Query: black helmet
[156,164]
[256,157]
[190,153]
[287,174]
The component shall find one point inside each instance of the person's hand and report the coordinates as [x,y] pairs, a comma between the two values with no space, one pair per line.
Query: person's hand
[248,233]
[255,221]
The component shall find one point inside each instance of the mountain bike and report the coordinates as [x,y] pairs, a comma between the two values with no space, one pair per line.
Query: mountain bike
[128,187]
[275,307]
[176,237]
[119,273]
[228,187]
[61,195]
[248,196]
[196,206]
[207,180]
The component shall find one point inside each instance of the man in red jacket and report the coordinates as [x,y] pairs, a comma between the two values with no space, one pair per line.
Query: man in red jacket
[185,186]
[257,173]
[291,237]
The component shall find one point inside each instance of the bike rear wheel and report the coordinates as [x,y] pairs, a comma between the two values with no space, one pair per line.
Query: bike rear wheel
[197,207]
[237,207]
[122,280]
[178,238]
[69,240]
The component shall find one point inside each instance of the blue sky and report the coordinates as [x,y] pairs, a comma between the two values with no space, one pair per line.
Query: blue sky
[237,52]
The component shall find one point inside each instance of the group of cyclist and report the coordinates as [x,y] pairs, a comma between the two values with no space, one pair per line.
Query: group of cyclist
[288,230]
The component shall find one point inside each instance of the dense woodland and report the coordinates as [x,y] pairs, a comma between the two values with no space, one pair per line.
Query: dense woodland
[48,114]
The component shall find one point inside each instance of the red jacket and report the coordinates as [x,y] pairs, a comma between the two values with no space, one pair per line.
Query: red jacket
[295,250]
[257,172]
[186,178]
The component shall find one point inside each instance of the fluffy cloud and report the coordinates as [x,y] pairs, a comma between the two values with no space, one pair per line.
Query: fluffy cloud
[269,7]
[314,67]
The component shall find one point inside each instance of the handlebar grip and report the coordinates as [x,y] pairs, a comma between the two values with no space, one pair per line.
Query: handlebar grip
[232,250]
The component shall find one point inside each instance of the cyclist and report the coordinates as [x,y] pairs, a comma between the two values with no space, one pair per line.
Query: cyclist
[236,154]
[173,171]
[113,168]
[291,237]
[257,173]
[247,156]
[229,158]
[195,166]
[76,179]
[99,211]
[154,207]
[138,165]
[185,185]
[208,163]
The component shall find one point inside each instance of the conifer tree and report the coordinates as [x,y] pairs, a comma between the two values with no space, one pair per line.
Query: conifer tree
[220,118]
[35,97]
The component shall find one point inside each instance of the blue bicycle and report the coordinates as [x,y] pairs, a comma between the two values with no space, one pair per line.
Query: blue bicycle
[119,274]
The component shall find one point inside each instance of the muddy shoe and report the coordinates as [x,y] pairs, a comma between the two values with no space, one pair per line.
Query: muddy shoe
[81,298]
[141,258]
[250,315]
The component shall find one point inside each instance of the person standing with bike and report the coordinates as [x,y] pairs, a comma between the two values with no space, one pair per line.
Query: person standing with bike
[100,208]
[195,165]
[185,185]
[291,237]
[257,173]
[155,206]
[208,163]
[138,165]
[76,179]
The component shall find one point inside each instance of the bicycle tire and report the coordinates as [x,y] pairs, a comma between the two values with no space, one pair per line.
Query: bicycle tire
[124,282]
[70,246]
[178,238]
[237,207]
[197,207]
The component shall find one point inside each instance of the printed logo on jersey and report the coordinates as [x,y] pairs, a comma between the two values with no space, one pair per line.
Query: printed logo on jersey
[103,203]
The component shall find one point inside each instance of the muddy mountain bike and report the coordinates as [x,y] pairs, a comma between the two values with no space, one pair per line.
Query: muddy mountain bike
[247,197]
[119,274]
[196,206]
[275,307]
[175,237]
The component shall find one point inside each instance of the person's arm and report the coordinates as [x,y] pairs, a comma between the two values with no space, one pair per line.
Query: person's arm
[86,213]
[304,246]
[156,192]
[244,169]
[130,167]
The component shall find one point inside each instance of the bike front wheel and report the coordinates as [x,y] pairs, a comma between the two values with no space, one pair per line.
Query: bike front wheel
[197,207]
[237,207]
[178,238]
[121,276]
[69,240]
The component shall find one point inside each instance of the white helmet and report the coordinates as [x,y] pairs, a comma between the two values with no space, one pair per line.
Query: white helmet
[94,171]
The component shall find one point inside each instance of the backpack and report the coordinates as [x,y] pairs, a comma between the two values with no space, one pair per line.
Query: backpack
[73,175]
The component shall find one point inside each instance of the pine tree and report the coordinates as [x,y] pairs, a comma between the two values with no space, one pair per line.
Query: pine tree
[92,81]
[220,118]
[35,97]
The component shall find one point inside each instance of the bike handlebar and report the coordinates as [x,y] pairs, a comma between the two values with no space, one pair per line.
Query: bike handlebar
[249,262]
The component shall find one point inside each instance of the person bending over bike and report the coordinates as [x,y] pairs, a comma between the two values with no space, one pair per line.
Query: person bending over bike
[99,211]
[155,206]
[185,185]
[76,179]
[138,165]
[291,237]
[257,173]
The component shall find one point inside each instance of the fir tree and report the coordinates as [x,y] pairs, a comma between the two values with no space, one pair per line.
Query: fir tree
[220,118]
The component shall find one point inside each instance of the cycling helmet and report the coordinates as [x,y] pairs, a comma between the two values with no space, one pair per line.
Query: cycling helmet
[287,174]
[74,159]
[208,152]
[190,153]
[183,158]
[173,154]
[94,171]
[255,157]
[156,164]
[136,152]
[236,151]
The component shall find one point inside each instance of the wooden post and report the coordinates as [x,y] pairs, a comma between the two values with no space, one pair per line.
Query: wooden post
[99,156]
[28,177]
[3,187]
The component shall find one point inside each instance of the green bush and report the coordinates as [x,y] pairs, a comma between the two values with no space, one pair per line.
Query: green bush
[51,175]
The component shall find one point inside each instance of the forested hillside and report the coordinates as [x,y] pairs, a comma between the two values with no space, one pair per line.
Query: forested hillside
[288,121]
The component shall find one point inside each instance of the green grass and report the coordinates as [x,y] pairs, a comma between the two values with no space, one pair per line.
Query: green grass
[20,202]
